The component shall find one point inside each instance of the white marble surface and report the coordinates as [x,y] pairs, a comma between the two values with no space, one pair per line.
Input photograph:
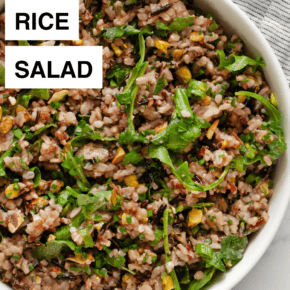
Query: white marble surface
[273,271]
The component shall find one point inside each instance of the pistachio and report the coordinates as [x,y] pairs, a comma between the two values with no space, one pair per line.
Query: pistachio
[115,196]
[58,96]
[81,260]
[25,112]
[160,127]
[241,99]
[15,221]
[56,186]
[6,125]
[116,49]
[78,42]
[212,128]
[206,101]
[178,53]
[120,154]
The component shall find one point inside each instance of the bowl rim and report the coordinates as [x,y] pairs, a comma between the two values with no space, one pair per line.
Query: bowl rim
[240,271]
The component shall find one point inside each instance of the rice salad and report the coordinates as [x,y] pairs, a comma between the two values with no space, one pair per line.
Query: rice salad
[153,182]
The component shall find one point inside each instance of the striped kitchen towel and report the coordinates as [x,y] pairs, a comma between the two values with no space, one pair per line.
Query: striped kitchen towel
[272,17]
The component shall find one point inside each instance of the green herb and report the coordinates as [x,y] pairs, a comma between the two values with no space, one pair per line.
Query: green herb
[29,135]
[216,262]
[198,284]
[16,257]
[204,251]
[158,233]
[145,258]
[149,213]
[236,63]
[167,249]
[197,89]
[88,240]
[52,250]
[17,133]
[179,23]
[129,219]
[2,76]
[159,85]
[73,164]
[118,74]
[132,157]
[182,174]
[40,93]
[232,249]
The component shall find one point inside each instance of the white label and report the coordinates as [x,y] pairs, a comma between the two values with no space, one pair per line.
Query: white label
[53,67]
[42,20]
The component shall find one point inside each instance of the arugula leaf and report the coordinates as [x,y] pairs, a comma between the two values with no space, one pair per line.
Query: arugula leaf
[198,284]
[181,131]
[115,32]
[115,261]
[62,233]
[8,153]
[40,93]
[2,76]
[23,100]
[236,63]
[52,250]
[216,261]
[182,174]
[23,43]
[132,158]
[74,165]
[278,145]
[29,135]
[159,85]
[162,26]
[179,23]
[185,279]
[197,89]
[119,74]
[232,249]
[83,132]
[88,240]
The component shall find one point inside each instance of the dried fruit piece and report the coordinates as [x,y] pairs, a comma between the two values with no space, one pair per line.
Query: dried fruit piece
[12,191]
[184,74]
[167,282]
[177,53]
[196,36]
[132,180]
[56,186]
[194,217]
[161,45]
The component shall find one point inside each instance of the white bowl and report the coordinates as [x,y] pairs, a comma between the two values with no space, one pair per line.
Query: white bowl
[236,21]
